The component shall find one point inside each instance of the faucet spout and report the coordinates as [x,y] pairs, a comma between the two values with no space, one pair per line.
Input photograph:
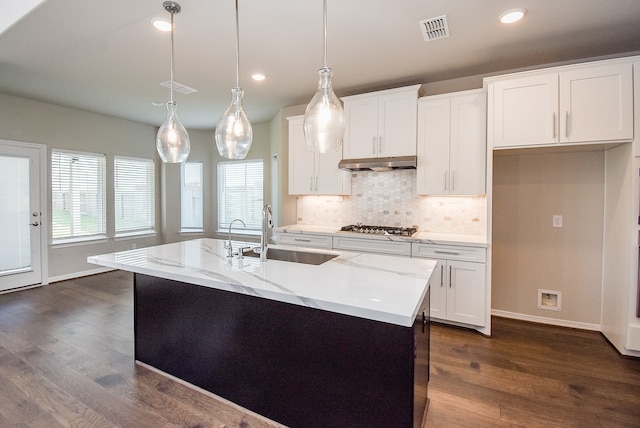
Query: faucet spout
[267,222]
[229,246]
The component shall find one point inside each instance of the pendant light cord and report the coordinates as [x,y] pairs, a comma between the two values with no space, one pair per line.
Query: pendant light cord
[237,48]
[324,24]
[171,62]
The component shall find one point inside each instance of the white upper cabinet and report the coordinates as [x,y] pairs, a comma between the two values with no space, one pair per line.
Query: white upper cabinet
[381,124]
[312,173]
[596,104]
[525,110]
[574,104]
[452,144]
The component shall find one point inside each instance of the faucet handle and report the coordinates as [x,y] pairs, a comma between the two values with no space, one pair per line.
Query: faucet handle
[241,251]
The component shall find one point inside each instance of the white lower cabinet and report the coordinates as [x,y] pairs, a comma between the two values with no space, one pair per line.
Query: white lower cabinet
[457,283]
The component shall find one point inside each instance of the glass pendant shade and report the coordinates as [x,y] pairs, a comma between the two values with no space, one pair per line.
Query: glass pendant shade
[233,131]
[324,118]
[172,140]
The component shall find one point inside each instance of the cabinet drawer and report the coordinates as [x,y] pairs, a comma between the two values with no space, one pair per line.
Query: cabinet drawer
[372,246]
[449,252]
[305,240]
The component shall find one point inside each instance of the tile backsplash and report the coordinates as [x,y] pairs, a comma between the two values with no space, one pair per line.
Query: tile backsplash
[389,199]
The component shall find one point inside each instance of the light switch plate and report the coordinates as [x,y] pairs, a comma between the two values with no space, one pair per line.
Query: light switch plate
[557,220]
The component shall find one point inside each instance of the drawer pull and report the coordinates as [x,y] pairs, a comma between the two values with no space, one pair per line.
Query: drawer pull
[451,253]
[302,240]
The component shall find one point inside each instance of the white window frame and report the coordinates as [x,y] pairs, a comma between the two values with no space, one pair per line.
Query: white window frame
[245,200]
[74,196]
[138,197]
[191,198]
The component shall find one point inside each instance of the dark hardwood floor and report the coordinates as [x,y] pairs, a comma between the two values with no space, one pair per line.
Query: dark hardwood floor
[66,359]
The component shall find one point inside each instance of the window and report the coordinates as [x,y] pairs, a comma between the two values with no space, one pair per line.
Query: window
[134,192]
[191,208]
[77,196]
[240,194]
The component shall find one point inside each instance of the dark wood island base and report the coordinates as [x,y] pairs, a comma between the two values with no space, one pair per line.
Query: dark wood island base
[300,366]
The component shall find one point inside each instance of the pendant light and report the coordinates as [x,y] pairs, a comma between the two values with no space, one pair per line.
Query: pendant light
[233,131]
[324,117]
[172,140]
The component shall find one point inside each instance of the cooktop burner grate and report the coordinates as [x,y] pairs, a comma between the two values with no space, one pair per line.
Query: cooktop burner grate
[380,230]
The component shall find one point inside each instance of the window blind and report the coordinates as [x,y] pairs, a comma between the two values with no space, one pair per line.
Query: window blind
[191,208]
[134,193]
[77,196]
[240,193]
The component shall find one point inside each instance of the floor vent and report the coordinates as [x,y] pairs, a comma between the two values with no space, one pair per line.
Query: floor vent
[434,28]
[179,87]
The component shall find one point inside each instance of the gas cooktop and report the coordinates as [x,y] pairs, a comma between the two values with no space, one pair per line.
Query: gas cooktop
[380,230]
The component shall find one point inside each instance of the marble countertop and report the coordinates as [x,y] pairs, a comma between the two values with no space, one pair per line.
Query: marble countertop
[373,286]
[420,237]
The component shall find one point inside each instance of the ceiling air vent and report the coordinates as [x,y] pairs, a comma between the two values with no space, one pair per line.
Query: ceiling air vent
[179,87]
[434,28]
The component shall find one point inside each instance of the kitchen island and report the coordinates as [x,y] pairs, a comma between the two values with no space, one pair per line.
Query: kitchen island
[344,343]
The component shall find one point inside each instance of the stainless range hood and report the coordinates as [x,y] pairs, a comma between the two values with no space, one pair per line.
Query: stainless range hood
[379,164]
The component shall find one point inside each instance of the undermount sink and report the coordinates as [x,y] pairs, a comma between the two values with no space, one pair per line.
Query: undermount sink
[293,256]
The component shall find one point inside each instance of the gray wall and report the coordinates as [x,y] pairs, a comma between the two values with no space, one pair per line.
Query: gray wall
[529,187]
[58,127]
[286,204]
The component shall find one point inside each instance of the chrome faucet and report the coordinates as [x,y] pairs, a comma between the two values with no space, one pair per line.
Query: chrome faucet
[267,222]
[229,246]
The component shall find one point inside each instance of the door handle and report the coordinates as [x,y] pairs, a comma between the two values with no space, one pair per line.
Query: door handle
[35,223]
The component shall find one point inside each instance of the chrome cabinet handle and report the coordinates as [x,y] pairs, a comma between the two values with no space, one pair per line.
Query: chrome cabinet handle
[554,125]
[450,278]
[453,181]
[566,124]
[316,183]
[311,183]
[452,253]
[373,145]
[301,240]
[441,275]
[380,145]
[444,176]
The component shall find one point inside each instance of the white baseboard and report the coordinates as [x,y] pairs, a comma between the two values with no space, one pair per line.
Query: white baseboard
[79,274]
[545,320]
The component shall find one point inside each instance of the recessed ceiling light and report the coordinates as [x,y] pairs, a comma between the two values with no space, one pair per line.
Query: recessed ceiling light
[258,76]
[512,15]
[162,24]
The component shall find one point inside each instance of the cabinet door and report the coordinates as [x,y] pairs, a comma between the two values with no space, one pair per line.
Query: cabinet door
[397,123]
[331,180]
[433,146]
[468,145]
[438,290]
[301,160]
[361,133]
[596,104]
[524,111]
[466,292]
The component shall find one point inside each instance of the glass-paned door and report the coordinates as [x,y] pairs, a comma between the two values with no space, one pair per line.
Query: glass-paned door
[20,258]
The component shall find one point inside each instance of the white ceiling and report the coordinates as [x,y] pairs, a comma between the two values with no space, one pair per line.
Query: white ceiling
[107,58]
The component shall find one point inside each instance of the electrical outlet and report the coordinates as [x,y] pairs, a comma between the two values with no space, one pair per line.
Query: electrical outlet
[557,220]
